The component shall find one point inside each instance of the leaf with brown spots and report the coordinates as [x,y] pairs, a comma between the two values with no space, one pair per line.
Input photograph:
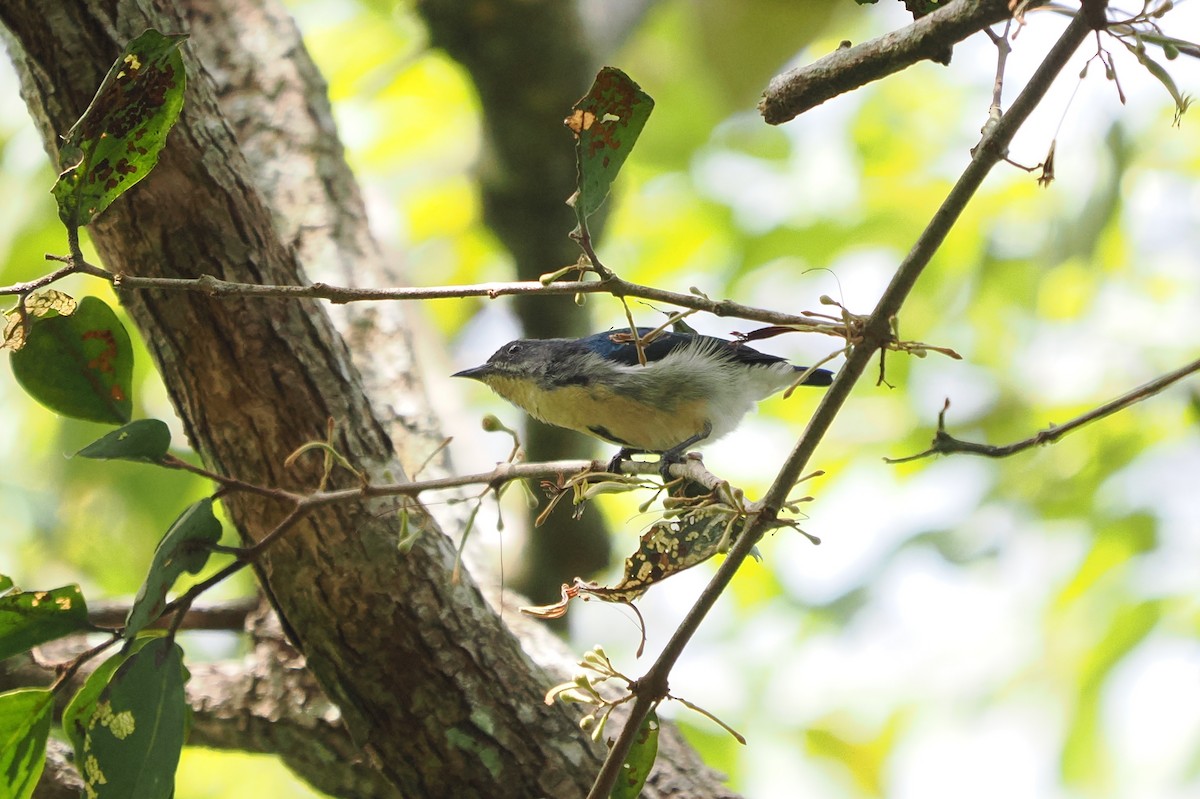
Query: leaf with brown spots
[79,365]
[606,123]
[117,140]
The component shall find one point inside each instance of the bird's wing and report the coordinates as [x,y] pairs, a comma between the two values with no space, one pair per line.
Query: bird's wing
[617,346]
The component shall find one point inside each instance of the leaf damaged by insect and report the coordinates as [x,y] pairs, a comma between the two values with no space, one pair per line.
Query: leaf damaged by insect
[606,123]
[118,139]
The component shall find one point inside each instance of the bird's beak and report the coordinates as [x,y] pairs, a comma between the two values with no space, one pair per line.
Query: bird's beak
[475,373]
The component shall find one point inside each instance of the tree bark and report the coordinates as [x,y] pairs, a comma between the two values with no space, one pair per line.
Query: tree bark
[430,682]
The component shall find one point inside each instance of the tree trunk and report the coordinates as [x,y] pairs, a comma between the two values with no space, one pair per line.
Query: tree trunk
[433,686]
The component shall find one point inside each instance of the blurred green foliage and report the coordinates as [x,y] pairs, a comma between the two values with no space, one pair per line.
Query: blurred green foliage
[1030,624]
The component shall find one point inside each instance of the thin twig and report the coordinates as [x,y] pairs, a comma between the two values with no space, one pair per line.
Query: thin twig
[583,237]
[30,286]
[68,671]
[653,686]
[945,444]
[216,287]
[199,588]
[1003,48]
[848,328]
[230,483]
[303,504]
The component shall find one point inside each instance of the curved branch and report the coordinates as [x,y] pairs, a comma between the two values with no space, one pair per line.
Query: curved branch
[793,92]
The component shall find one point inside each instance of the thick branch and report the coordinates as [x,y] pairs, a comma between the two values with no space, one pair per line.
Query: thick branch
[792,93]
[60,780]
[230,615]
[270,703]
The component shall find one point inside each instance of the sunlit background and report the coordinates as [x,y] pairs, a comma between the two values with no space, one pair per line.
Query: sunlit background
[1028,627]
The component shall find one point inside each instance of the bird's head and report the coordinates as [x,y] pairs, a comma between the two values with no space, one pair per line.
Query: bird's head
[524,366]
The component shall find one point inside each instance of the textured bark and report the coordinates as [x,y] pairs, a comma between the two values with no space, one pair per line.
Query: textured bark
[431,684]
[270,703]
[59,780]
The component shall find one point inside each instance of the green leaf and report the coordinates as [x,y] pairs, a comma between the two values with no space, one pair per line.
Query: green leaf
[6,584]
[185,548]
[79,365]
[606,123]
[83,704]
[117,140]
[130,738]
[25,716]
[639,761]
[144,440]
[29,618]
[1182,101]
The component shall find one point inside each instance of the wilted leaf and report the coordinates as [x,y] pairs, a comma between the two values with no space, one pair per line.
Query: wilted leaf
[117,140]
[145,440]
[49,302]
[79,365]
[672,545]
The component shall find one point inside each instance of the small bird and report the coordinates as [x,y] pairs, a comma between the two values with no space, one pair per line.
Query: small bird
[693,388]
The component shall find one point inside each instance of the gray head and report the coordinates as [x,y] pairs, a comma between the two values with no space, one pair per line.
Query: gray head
[537,361]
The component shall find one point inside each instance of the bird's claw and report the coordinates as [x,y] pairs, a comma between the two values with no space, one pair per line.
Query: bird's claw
[666,461]
[614,464]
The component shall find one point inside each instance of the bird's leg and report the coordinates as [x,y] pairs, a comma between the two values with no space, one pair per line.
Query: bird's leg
[675,454]
[614,465]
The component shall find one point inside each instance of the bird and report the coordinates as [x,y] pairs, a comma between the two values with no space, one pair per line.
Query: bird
[692,388]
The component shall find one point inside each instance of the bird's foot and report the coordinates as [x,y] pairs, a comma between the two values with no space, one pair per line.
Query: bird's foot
[614,465]
[677,453]
[669,459]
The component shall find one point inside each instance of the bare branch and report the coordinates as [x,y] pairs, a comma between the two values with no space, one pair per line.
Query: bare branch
[230,615]
[945,444]
[216,287]
[797,90]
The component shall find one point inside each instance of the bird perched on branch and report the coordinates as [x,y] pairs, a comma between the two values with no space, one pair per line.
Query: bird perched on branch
[692,388]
